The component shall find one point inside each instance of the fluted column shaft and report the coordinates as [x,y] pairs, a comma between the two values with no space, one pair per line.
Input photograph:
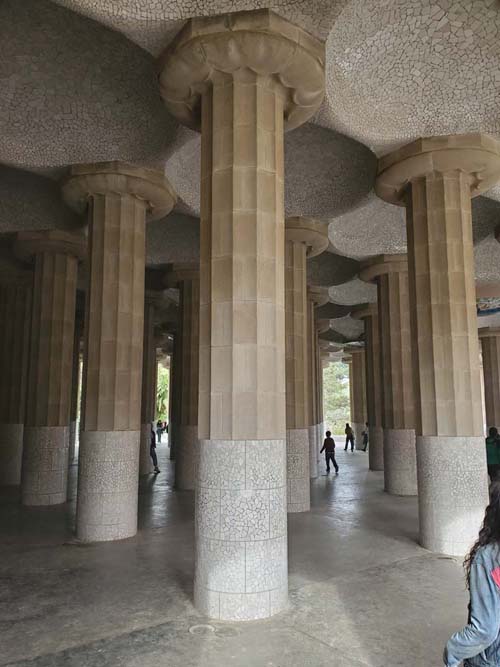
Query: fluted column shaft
[311,382]
[148,392]
[374,391]
[358,394]
[75,384]
[15,316]
[490,343]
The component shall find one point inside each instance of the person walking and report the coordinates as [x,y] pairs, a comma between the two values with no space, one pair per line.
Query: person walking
[478,643]
[152,452]
[349,438]
[365,437]
[329,449]
[493,453]
[159,429]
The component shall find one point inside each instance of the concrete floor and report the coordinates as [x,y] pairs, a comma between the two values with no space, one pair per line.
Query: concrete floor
[361,591]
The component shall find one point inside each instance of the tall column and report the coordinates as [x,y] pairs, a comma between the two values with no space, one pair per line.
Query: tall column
[390,272]
[187,279]
[304,238]
[44,477]
[175,392]
[118,197]
[490,344]
[373,386]
[435,178]
[238,63]
[357,382]
[148,391]
[312,381]
[75,383]
[15,317]
[320,327]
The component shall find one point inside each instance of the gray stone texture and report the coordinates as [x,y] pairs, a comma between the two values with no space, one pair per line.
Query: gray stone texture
[298,470]
[186,459]
[45,465]
[353,292]
[452,492]
[107,485]
[11,452]
[358,428]
[145,462]
[72,441]
[400,462]
[376,448]
[241,528]
[312,432]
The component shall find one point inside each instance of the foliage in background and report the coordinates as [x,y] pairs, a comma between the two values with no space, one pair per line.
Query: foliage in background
[336,404]
[162,389]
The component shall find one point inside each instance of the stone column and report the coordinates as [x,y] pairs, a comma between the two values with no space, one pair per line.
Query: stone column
[435,178]
[390,273]
[373,386]
[490,344]
[44,477]
[312,382]
[187,278]
[175,392]
[118,197]
[148,392]
[15,316]
[320,327]
[304,238]
[256,73]
[75,384]
[358,393]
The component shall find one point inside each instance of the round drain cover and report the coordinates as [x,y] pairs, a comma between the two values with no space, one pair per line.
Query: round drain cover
[201,629]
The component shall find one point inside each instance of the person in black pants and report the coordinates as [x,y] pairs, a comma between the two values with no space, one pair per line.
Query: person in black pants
[329,449]
[349,438]
[152,452]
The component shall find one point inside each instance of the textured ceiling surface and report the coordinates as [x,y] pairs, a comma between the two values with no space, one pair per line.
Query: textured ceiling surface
[350,328]
[328,269]
[175,238]
[353,292]
[401,69]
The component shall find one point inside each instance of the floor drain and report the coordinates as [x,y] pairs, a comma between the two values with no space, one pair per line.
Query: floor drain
[201,629]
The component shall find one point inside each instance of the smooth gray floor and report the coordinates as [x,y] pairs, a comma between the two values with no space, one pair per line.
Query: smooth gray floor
[361,591]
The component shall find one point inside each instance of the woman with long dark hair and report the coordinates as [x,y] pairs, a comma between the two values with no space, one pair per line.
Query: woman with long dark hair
[478,644]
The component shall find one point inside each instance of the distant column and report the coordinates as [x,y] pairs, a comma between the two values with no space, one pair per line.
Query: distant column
[490,344]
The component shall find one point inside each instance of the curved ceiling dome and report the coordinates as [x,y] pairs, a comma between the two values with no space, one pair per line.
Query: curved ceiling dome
[152,24]
[175,238]
[349,327]
[353,292]
[326,173]
[30,202]
[74,91]
[329,269]
[402,69]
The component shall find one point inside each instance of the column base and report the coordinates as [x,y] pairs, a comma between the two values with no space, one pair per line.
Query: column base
[358,428]
[11,453]
[376,448]
[145,463]
[107,485]
[452,492]
[44,479]
[312,432]
[186,460]
[241,569]
[297,467]
[400,462]
[72,442]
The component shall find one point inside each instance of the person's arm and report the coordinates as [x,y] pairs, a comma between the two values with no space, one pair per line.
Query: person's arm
[484,618]
[323,448]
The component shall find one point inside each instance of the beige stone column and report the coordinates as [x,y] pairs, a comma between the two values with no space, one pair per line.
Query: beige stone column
[373,374]
[175,392]
[320,326]
[256,73]
[148,392]
[435,178]
[44,475]
[357,382]
[75,383]
[15,317]
[490,344]
[312,382]
[390,273]
[303,238]
[117,196]
[187,278]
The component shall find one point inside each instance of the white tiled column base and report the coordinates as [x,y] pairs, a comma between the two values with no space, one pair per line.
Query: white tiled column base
[452,492]
[358,429]
[400,462]
[297,470]
[11,452]
[145,462]
[107,485]
[313,451]
[72,442]
[186,459]
[241,529]
[376,448]
[44,479]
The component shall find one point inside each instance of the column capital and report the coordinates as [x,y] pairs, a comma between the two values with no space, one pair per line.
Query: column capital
[383,265]
[119,179]
[489,332]
[318,295]
[29,244]
[258,42]
[314,235]
[478,155]
[181,272]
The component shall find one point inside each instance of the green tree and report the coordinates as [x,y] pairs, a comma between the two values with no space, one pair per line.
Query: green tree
[162,390]
[336,403]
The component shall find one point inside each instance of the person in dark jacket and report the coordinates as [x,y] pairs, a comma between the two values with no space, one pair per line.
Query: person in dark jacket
[329,449]
[349,437]
[478,643]
[152,452]
[493,453]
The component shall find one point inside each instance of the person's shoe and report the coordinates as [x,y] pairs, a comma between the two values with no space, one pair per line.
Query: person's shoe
[336,472]
[327,472]
[157,470]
